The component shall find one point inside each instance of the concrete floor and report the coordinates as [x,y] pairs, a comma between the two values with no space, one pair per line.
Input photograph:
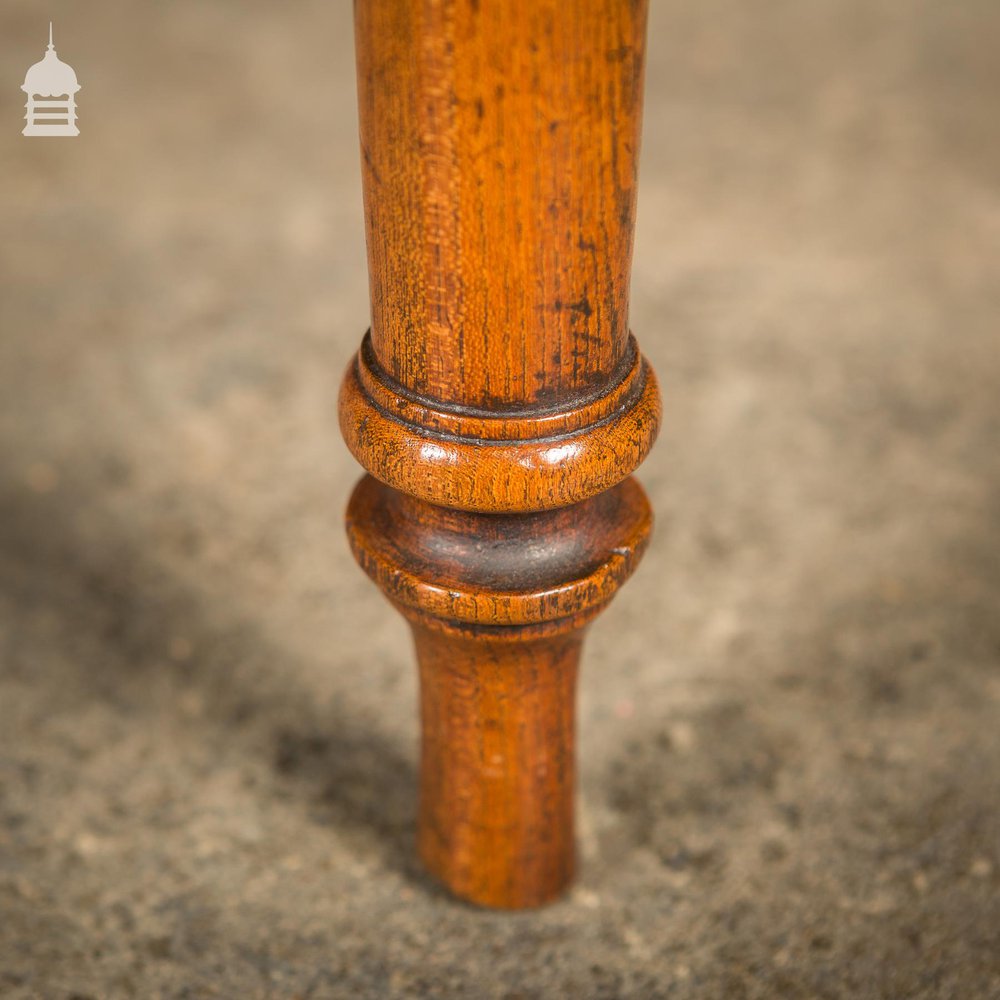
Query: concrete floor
[790,721]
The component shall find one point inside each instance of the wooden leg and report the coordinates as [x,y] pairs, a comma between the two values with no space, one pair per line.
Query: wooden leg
[499,402]
[497,763]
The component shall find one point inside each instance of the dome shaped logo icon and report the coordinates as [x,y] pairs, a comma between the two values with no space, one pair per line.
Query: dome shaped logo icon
[51,86]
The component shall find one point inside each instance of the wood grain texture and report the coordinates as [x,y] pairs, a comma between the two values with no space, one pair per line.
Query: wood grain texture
[500,147]
[499,463]
[497,780]
[499,401]
[557,568]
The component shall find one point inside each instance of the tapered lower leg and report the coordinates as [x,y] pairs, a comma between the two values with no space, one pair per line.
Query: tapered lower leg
[499,605]
[497,764]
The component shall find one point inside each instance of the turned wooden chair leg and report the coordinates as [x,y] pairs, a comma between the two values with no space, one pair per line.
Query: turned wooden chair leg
[498,401]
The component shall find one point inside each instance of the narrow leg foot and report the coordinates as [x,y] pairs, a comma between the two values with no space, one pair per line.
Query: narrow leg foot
[497,764]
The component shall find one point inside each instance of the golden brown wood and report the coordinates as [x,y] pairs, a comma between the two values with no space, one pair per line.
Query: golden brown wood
[499,400]
[497,782]
[499,144]
[499,604]
[463,569]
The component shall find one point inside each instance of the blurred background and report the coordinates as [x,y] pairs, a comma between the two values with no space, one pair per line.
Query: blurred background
[789,722]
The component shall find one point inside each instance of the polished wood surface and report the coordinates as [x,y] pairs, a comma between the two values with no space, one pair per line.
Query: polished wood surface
[499,401]
[499,145]
[498,774]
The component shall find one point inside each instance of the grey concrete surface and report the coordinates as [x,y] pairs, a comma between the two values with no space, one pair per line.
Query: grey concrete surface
[790,720]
